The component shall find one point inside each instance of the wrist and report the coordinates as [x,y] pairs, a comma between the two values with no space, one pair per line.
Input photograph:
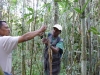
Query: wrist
[39,31]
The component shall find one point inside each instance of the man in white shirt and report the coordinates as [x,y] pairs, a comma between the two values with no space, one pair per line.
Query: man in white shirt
[9,43]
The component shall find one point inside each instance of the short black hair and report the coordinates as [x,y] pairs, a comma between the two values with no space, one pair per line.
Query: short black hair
[1,23]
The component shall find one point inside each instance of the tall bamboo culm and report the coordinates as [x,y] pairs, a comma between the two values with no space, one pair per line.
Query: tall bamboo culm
[83,38]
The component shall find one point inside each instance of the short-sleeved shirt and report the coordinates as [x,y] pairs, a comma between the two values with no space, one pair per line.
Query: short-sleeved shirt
[7,44]
[59,45]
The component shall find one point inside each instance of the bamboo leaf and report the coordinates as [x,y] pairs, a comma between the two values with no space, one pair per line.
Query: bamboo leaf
[30,9]
[84,6]
[27,15]
[41,19]
[61,4]
[77,10]
[94,30]
[30,20]
[64,6]
[75,0]
[47,6]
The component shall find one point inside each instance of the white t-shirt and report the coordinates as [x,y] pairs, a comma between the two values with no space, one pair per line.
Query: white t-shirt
[7,44]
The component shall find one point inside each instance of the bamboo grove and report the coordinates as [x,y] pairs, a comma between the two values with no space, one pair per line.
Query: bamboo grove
[80,21]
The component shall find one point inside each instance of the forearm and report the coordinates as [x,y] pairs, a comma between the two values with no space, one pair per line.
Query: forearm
[28,36]
[54,49]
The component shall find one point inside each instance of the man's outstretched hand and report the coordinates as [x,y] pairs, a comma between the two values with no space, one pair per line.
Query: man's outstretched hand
[43,28]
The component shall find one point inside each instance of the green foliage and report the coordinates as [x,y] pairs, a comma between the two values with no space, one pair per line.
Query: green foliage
[80,11]
[30,20]
[31,10]
[63,70]
[76,0]
[60,0]
[64,6]
[31,15]
[47,6]
[94,30]
[71,35]
[27,15]
[14,2]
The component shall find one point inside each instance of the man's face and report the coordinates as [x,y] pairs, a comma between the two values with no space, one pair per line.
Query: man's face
[56,32]
[4,30]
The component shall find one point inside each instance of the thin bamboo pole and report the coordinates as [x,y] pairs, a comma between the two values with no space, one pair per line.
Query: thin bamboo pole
[50,58]
[23,55]
[89,41]
[83,48]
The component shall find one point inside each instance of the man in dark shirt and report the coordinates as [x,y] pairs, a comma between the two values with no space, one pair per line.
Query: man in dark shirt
[56,45]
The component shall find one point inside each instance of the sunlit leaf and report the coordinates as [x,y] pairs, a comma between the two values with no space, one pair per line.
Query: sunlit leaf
[30,20]
[77,10]
[94,30]
[14,1]
[62,4]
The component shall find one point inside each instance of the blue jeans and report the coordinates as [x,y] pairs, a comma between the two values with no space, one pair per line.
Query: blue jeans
[5,73]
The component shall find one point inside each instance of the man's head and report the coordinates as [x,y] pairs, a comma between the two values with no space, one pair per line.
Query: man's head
[57,30]
[4,29]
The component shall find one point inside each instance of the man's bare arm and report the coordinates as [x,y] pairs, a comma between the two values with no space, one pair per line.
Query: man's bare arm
[30,35]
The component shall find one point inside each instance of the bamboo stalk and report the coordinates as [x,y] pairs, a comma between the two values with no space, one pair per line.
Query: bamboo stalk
[23,55]
[89,41]
[50,58]
[83,37]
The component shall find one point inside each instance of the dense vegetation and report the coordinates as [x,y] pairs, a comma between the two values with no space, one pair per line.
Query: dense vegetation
[80,21]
